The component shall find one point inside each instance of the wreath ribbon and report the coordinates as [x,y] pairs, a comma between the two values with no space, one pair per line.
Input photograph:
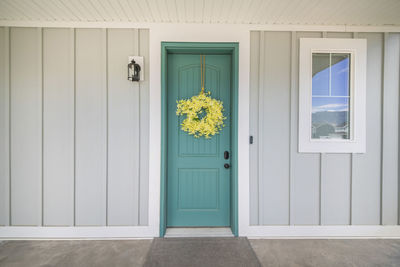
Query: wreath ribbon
[202,71]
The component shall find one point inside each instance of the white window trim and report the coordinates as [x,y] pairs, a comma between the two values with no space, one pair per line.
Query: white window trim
[358,50]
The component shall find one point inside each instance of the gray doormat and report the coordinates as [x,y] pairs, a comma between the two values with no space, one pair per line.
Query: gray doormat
[207,252]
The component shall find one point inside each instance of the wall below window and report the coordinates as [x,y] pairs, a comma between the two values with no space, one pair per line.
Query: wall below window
[291,188]
[73,130]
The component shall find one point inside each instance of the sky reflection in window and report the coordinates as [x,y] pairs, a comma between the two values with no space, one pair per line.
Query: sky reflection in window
[331,96]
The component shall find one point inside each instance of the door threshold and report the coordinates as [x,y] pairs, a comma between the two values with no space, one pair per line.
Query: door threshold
[198,232]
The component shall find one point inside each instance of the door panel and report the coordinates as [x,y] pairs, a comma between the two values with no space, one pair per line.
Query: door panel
[198,185]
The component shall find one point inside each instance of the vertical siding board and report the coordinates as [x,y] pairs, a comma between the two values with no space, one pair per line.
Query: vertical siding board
[122,170]
[335,189]
[26,126]
[305,184]
[90,202]
[367,167]
[4,127]
[390,146]
[335,179]
[58,127]
[276,97]
[144,129]
[254,87]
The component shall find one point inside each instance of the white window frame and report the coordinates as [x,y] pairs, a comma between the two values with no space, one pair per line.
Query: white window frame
[357,48]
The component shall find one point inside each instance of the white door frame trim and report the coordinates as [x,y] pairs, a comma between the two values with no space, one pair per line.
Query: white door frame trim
[198,33]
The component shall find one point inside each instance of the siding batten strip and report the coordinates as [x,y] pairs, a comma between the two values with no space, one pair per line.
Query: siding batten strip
[138,160]
[41,199]
[322,169]
[351,191]
[384,43]
[398,135]
[104,76]
[292,127]
[260,129]
[140,136]
[73,33]
[72,86]
[290,124]
[105,58]
[9,121]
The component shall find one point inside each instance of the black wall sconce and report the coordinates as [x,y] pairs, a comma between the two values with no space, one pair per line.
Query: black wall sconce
[135,66]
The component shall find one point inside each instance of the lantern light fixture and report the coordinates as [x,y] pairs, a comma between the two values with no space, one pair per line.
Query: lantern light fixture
[135,69]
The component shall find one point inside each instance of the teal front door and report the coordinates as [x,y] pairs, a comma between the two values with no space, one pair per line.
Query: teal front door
[198,171]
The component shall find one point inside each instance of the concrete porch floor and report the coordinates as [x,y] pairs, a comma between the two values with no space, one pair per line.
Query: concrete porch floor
[332,252]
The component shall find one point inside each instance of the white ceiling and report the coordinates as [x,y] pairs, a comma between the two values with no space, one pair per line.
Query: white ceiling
[302,12]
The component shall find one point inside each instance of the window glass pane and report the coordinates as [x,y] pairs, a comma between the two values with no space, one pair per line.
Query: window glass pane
[320,74]
[340,74]
[330,118]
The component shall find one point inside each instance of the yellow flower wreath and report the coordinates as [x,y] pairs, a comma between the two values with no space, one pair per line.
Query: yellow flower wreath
[208,125]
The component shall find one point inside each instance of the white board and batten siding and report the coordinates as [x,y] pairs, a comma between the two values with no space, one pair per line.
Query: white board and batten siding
[291,188]
[74,131]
